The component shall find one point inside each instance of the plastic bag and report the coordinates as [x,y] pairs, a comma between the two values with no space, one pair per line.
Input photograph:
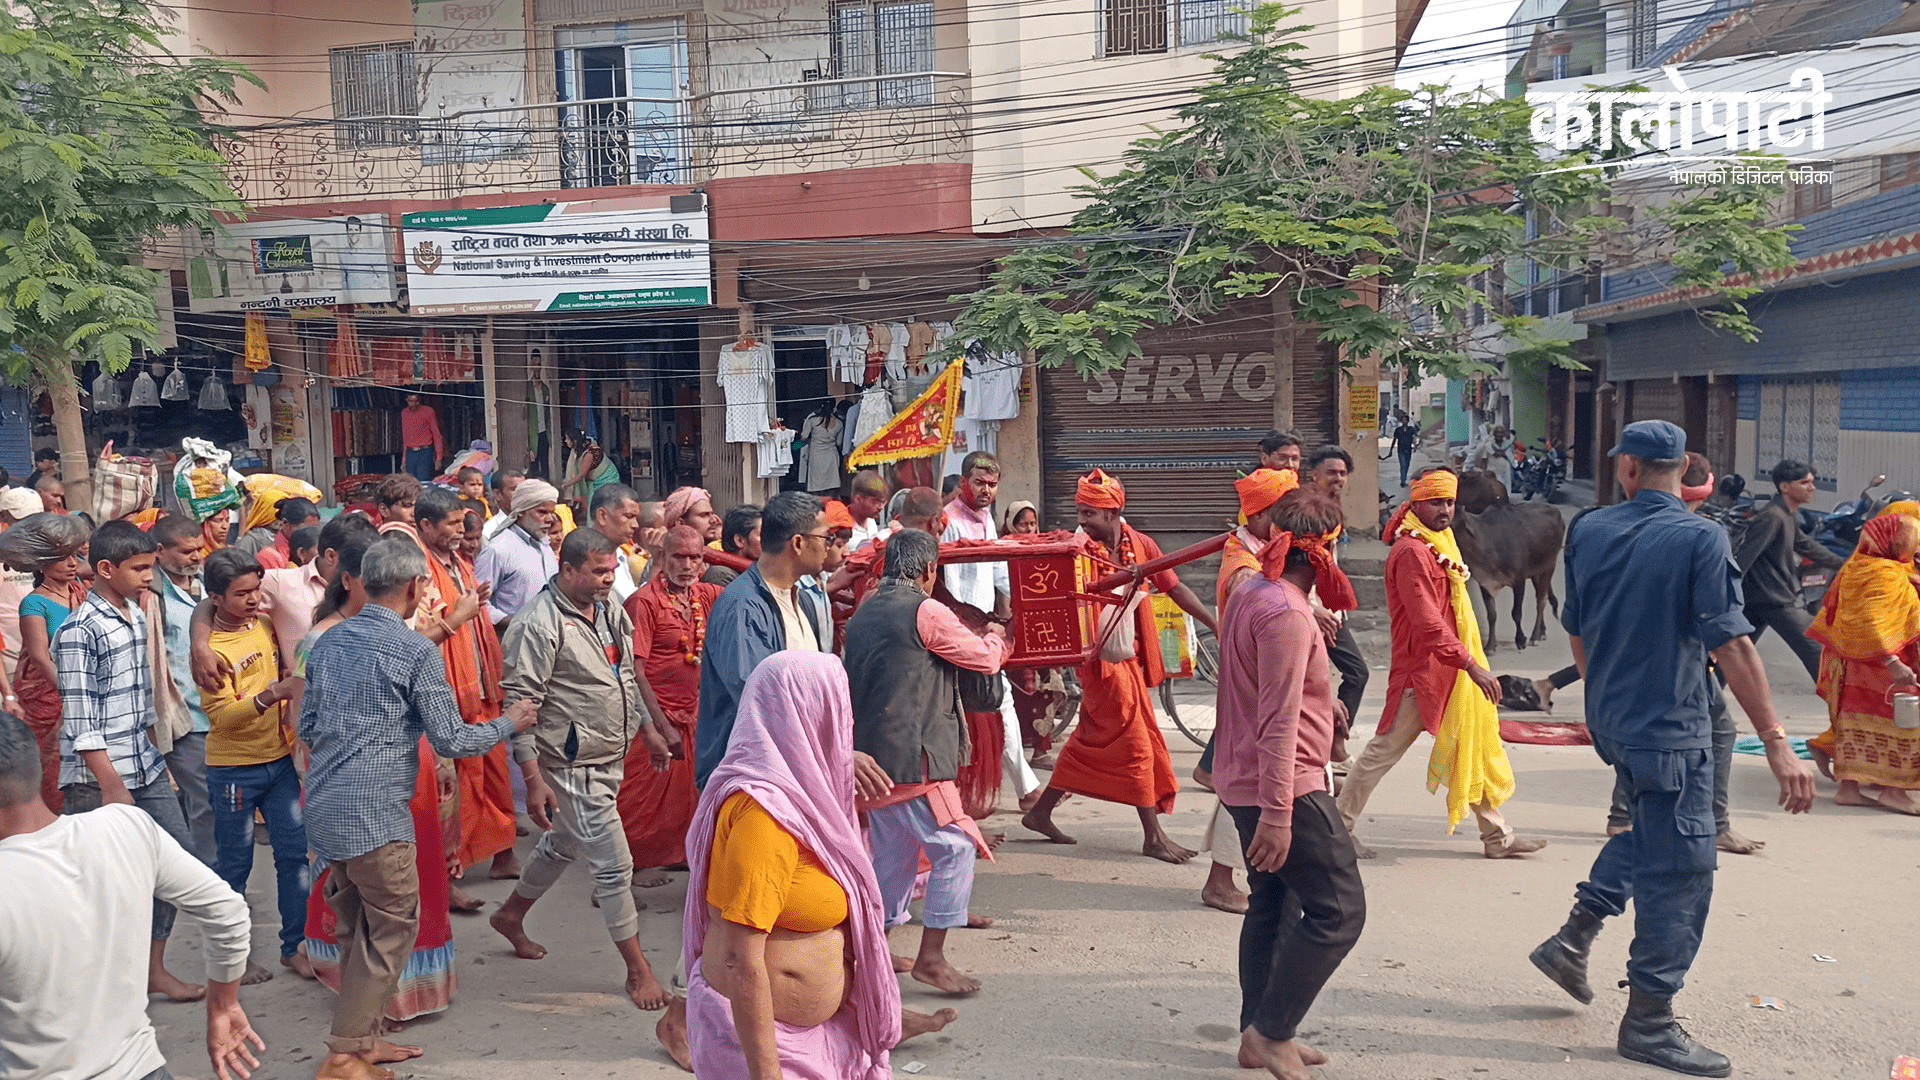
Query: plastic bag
[39,540]
[204,480]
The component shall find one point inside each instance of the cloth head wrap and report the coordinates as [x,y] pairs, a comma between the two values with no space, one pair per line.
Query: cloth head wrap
[1263,487]
[269,490]
[1698,492]
[532,493]
[1434,485]
[1013,513]
[1906,507]
[838,516]
[1329,581]
[675,508]
[1101,491]
[1871,611]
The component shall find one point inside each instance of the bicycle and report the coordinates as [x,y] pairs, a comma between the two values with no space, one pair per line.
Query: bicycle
[1197,721]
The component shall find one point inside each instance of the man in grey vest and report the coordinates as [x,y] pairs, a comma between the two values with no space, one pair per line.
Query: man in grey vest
[905,654]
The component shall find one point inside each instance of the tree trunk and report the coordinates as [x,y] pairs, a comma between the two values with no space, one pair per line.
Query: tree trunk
[75,463]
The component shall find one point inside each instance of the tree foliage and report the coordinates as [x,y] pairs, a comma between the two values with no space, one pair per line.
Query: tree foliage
[1378,216]
[106,140]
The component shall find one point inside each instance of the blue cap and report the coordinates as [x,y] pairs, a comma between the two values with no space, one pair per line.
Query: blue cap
[1656,439]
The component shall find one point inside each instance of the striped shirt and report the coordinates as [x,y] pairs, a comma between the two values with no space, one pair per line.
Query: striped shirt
[374,686]
[106,693]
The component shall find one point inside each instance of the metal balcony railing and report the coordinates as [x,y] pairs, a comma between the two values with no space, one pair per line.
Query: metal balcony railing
[603,142]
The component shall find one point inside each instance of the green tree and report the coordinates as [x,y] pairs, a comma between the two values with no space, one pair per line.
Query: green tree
[107,140]
[1373,219]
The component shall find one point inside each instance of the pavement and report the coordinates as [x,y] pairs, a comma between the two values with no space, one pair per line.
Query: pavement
[1104,964]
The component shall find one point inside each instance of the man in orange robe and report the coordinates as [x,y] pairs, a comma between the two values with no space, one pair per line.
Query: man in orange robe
[1116,752]
[669,616]
[471,651]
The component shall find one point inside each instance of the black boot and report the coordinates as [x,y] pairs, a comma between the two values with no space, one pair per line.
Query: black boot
[1563,957]
[1650,1034]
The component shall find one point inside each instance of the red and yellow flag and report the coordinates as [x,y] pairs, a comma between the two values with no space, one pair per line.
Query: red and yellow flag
[922,429]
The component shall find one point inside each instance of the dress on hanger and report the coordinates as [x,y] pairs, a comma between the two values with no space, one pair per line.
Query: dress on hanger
[820,460]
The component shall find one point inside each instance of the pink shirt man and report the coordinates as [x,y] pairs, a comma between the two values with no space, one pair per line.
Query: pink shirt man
[287,598]
[1274,731]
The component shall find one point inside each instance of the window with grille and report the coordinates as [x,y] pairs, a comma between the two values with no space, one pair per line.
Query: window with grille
[885,43]
[375,81]
[1142,27]
[1812,197]
[1899,170]
[1800,419]
[1136,27]
[1646,30]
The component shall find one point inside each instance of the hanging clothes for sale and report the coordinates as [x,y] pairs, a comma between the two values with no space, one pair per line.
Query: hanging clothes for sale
[175,387]
[146,395]
[746,380]
[876,408]
[437,357]
[773,452]
[879,342]
[258,357]
[970,435]
[919,343]
[847,352]
[346,359]
[896,366]
[991,384]
[106,394]
[392,360]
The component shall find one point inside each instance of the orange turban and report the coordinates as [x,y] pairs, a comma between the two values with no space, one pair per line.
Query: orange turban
[1329,581]
[1262,488]
[1097,489]
[838,516]
[1434,485]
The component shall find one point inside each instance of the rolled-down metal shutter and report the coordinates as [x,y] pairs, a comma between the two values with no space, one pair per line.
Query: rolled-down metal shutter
[1179,423]
[16,432]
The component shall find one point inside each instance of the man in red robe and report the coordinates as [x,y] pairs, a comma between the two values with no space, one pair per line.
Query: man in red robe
[1116,752]
[669,616]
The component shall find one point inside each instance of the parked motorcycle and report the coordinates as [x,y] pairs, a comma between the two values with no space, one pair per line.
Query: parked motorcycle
[1540,472]
[1838,530]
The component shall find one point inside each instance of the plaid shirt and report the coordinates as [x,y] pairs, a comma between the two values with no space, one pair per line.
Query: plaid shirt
[373,688]
[106,693]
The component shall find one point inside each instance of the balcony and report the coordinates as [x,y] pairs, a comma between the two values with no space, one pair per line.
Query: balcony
[784,128]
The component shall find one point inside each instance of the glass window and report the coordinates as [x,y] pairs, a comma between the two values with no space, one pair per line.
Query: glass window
[880,41]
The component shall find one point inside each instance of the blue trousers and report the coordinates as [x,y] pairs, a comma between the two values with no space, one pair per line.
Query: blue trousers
[898,834]
[419,463]
[1664,864]
[1406,462]
[236,791]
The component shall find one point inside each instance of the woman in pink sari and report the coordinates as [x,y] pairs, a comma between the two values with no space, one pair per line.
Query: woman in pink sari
[782,896]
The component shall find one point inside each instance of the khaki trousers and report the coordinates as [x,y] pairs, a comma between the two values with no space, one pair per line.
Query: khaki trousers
[1383,752]
[376,898]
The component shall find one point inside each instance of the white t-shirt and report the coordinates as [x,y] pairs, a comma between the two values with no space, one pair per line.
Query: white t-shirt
[76,919]
[746,379]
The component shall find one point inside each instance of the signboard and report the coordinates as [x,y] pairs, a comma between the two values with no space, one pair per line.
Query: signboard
[469,57]
[278,263]
[1363,408]
[582,256]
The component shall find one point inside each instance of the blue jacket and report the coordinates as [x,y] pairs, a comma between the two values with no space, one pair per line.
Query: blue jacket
[743,629]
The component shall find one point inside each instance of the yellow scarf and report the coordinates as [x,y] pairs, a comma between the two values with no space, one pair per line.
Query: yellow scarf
[1467,753]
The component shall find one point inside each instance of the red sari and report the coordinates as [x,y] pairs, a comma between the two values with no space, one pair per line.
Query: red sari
[669,634]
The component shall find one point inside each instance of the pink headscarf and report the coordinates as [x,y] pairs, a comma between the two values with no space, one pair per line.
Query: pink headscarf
[792,751]
[681,501]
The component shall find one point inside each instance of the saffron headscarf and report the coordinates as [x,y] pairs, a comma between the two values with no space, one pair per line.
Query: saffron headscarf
[792,751]
[1263,487]
[1871,610]
[674,510]
[268,491]
[1330,582]
[838,516]
[1101,491]
[1438,484]
[1903,506]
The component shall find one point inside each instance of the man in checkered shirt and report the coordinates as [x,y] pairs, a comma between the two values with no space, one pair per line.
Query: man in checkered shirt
[374,686]
[106,702]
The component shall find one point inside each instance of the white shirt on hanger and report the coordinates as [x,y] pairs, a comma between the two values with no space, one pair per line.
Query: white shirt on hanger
[746,381]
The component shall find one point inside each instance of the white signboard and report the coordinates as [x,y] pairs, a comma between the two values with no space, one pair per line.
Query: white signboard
[469,56]
[583,256]
[272,264]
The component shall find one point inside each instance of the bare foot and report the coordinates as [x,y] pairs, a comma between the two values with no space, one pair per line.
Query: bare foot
[1544,688]
[1851,795]
[1734,844]
[254,975]
[1824,762]
[1898,801]
[1362,851]
[506,866]
[1030,800]
[944,976]
[385,1052]
[979,922]
[1045,827]
[994,840]
[1163,848]
[351,1067]
[672,1033]
[1282,1059]
[1308,1054]
[1203,777]
[901,964]
[161,981]
[520,829]
[513,928]
[1044,763]
[650,881]
[919,1023]
[459,901]
[299,964]
[645,990]
[1229,899]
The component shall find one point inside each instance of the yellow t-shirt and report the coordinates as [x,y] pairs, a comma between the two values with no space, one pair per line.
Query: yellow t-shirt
[241,734]
[758,875]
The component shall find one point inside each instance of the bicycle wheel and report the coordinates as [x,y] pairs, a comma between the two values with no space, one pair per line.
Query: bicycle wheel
[1194,719]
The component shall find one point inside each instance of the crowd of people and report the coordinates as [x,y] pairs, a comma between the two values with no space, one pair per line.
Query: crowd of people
[804,709]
